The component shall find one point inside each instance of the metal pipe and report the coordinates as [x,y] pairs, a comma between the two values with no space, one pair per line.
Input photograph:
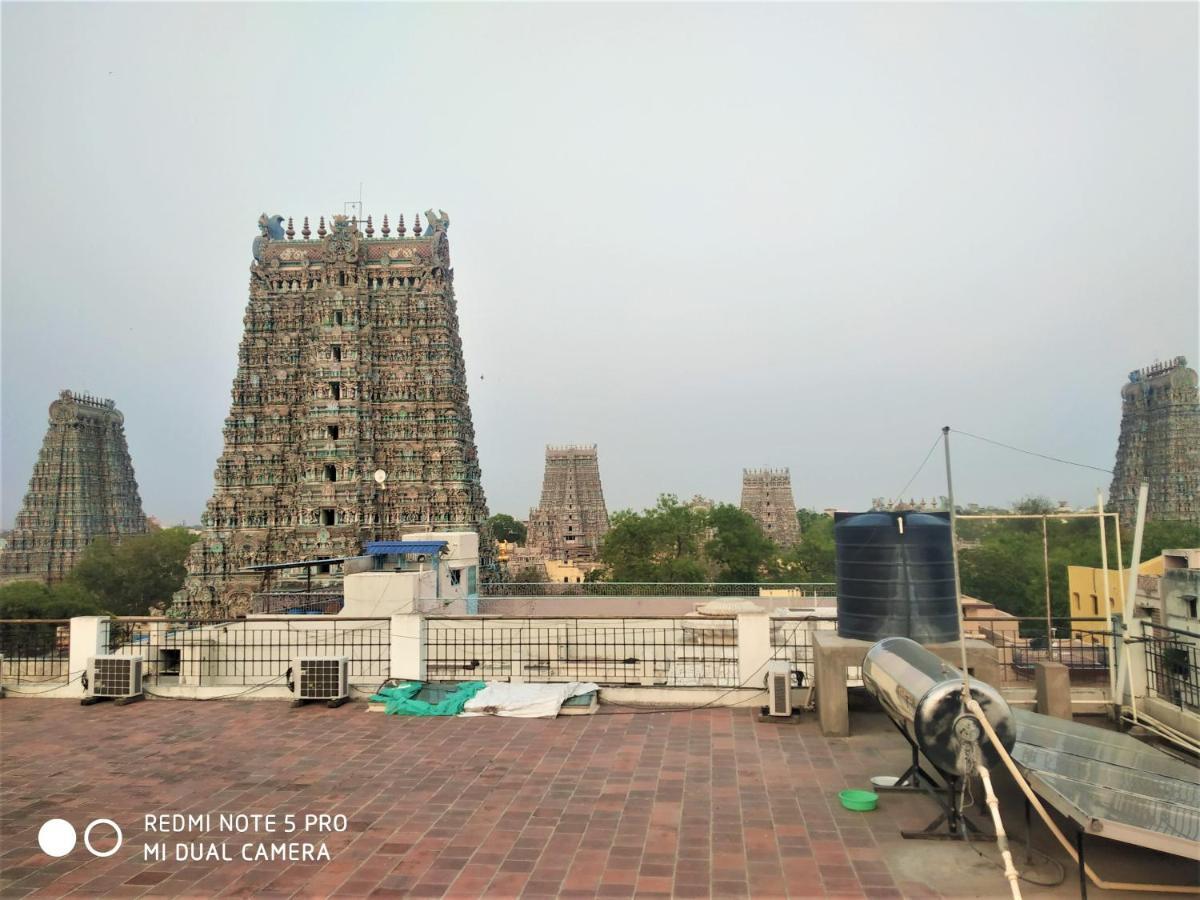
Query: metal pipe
[962,631]
[1135,560]
[1109,640]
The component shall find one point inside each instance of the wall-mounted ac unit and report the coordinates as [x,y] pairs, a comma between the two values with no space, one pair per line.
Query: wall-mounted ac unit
[113,678]
[779,688]
[320,678]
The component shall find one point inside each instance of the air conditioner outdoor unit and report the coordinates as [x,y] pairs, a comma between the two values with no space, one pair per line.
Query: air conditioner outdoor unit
[320,678]
[779,688]
[113,677]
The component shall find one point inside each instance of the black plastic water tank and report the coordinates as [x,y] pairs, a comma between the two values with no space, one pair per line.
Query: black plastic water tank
[895,576]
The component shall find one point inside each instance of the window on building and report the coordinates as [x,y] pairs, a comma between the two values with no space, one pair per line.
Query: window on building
[337,315]
[332,431]
[1075,601]
[455,577]
[341,279]
[337,352]
[566,579]
[1095,605]
[1190,600]
[330,472]
[328,517]
[335,388]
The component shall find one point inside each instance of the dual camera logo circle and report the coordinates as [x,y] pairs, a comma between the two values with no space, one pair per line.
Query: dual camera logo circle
[57,837]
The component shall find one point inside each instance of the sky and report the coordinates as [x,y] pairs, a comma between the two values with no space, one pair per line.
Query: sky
[702,237]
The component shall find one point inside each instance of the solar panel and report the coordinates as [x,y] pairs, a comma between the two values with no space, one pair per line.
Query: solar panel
[1111,784]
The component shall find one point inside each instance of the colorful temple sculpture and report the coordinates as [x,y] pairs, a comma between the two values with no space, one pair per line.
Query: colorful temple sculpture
[571,519]
[83,487]
[1159,444]
[350,419]
[767,497]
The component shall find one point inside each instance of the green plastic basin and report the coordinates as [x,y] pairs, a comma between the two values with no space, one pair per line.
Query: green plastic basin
[859,801]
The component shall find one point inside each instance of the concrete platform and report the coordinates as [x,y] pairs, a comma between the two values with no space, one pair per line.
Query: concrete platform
[833,655]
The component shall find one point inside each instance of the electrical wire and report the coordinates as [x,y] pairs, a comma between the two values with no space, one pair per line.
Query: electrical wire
[920,469]
[1057,459]
[249,690]
[58,685]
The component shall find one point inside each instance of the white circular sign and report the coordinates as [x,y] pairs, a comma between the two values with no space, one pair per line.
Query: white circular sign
[87,834]
[380,476]
[57,837]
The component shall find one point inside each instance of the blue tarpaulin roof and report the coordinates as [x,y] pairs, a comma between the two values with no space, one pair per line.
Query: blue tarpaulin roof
[391,548]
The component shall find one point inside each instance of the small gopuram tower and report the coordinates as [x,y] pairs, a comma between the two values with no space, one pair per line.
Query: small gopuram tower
[82,487]
[350,419]
[1159,444]
[571,519]
[767,496]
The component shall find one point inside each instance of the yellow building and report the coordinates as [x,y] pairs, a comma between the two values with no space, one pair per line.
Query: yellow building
[1088,597]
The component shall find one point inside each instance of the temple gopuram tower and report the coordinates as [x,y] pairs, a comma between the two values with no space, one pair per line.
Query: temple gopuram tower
[1159,444]
[767,496]
[82,487]
[350,365]
[571,519]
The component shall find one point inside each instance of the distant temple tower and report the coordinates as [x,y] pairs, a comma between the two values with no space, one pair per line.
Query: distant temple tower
[767,496]
[571,519]
[1159,444]
[82,487]
[350,364]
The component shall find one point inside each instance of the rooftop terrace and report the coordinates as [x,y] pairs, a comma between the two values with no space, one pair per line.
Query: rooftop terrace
[623,803]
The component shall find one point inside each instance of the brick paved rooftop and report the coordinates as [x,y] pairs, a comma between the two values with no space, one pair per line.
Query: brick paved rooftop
[685,804]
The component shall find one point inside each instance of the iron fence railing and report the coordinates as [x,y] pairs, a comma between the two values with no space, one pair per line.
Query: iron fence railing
[655,589]
[249,651]
[791,640]
[1080,644]
[301,602]
[1171,665]
[35,649]
[647,650]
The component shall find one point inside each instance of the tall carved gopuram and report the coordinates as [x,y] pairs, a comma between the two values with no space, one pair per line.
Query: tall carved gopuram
[350,364]
[571,518]
[767,497]
[82,487]
[1159,444]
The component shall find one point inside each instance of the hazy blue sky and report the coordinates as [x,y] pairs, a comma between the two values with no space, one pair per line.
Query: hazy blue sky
[701,236]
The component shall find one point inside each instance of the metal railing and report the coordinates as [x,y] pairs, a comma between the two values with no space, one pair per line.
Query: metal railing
[35,650]
[300,602]
[248,651]
[791,640]
[644,650]
[654,589]
[1080,644]
[1171,665]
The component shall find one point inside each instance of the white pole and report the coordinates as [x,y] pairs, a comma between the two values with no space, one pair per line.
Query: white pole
[1109,639]
[962,631]
[1135,560]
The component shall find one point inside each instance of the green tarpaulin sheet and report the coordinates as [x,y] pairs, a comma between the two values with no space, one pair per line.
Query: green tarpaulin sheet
[401,699]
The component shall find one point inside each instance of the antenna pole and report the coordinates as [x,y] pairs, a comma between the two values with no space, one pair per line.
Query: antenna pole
[962,636]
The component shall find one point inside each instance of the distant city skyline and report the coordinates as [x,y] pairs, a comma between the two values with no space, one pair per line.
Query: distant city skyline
[705,238]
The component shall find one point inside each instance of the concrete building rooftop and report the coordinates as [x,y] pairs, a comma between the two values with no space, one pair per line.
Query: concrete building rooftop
[704,803]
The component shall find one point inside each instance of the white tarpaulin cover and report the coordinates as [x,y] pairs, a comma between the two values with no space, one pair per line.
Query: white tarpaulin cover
[526,701]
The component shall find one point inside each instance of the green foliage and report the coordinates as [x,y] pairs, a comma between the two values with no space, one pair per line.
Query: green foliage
[660,544]
[505,528]
[529,575]
[738,548]
[143,571]
[1003,562]
[1034,506]
[34,600]
[813,559]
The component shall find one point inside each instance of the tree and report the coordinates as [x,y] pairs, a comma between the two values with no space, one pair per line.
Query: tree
[660,544]
[814,558]
[738,548]
[505,528]
[143,571]
[34,600]
[1034,506]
